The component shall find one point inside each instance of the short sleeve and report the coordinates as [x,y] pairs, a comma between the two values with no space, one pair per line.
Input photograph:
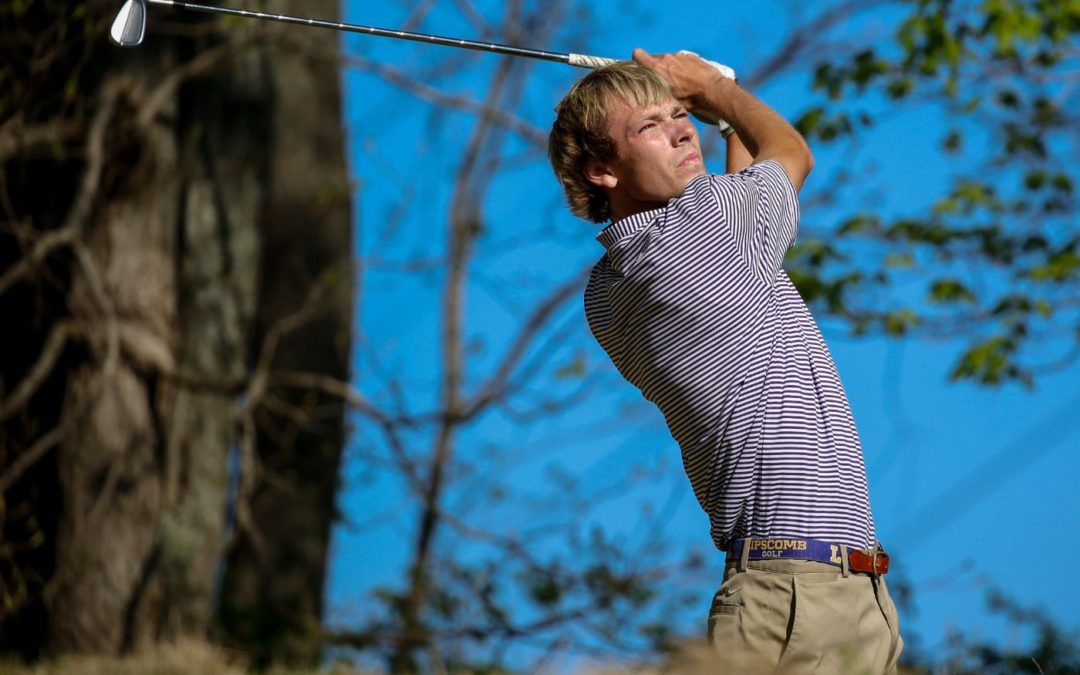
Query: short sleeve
[762,210]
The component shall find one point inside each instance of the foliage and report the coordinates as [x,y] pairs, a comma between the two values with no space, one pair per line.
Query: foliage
[995,259]
[1046,646]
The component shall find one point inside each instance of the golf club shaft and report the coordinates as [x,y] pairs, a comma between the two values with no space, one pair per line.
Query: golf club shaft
[580,60]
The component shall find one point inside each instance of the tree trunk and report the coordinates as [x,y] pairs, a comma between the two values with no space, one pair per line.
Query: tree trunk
[211,220]
[110,459]
[145,473]
[273,586]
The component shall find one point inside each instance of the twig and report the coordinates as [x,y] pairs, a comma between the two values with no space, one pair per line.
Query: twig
[528,132]
[165,91]
[16,138]
[84,202]
[417,16]
[50,354]
[105,305]
[257,384]
[31,456]
[473,15]
[802,38]
[510,544]
[355,399]
[496,384]
[248,474]
[251,400]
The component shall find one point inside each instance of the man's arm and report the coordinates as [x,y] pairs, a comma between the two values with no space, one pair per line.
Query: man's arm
[738,157]
[764,133]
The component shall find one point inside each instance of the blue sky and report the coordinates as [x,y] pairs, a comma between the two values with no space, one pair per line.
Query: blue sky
[972,488]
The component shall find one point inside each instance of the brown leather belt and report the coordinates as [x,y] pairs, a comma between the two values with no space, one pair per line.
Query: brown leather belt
[860,561]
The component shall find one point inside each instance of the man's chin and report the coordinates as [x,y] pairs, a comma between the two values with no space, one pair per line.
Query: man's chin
[689,175]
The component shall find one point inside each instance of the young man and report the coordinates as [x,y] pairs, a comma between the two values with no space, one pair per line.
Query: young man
[691,304]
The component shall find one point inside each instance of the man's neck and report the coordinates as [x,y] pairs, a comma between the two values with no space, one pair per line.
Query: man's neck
[629,208]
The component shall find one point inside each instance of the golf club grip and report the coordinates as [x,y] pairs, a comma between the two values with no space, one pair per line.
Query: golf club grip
[579,60]
[585,61]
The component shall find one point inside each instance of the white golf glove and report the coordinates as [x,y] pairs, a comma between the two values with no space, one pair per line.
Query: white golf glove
[707,117]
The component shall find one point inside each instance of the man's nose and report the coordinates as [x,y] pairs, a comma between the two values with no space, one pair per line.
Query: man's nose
[683,131]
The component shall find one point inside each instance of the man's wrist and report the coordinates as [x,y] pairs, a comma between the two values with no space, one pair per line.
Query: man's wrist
[727,73]
[725,128]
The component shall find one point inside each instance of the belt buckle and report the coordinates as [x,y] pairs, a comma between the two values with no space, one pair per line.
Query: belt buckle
[876,562]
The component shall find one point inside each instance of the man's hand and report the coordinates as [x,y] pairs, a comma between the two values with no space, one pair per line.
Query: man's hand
[690,78]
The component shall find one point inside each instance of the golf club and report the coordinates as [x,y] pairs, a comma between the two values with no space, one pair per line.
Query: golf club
[129,28]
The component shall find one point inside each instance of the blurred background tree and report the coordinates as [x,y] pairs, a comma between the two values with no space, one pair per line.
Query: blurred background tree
[994,263]
[176,230]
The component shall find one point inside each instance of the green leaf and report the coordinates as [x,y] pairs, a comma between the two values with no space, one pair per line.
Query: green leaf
[574,369]
[946,291]
[952,141]
[859,223]
[901,260]
[1063,266]
[545,590]
[900,87]
[1035,179]
[1008,98]
[808,122]
[900,321]
[991,362]
[1012,304]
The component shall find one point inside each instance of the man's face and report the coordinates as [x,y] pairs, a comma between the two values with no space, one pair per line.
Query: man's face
[658,154]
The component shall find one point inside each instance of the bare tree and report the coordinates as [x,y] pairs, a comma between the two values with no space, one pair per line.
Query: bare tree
[202,198]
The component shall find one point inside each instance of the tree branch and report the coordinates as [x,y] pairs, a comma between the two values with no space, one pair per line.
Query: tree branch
[355,399]
[491,390]
[16,138]
[36,376]
[30,457]
[84,201]
[205,62]
[802,38]
[429,94]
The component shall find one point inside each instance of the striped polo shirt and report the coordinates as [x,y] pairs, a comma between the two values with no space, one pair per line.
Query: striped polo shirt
[691,304]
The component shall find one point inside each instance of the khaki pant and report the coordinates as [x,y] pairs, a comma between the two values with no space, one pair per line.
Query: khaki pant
[800,616]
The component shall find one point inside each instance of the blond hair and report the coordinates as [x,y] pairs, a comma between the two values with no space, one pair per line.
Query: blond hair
[579,134]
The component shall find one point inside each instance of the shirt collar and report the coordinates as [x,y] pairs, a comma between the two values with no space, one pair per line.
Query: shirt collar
[620,229]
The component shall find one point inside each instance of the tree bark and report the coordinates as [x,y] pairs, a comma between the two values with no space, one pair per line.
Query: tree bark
[273,585]
[110,462]
[211,219]
[145,472]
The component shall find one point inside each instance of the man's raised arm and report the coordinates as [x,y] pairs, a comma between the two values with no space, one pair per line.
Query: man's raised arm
[766,134]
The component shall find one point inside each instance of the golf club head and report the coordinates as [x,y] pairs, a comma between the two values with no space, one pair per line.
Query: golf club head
[130,24]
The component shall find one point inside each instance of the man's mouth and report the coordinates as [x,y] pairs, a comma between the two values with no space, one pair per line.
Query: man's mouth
[692,158]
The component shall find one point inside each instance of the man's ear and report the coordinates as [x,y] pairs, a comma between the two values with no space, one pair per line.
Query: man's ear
[600,174]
